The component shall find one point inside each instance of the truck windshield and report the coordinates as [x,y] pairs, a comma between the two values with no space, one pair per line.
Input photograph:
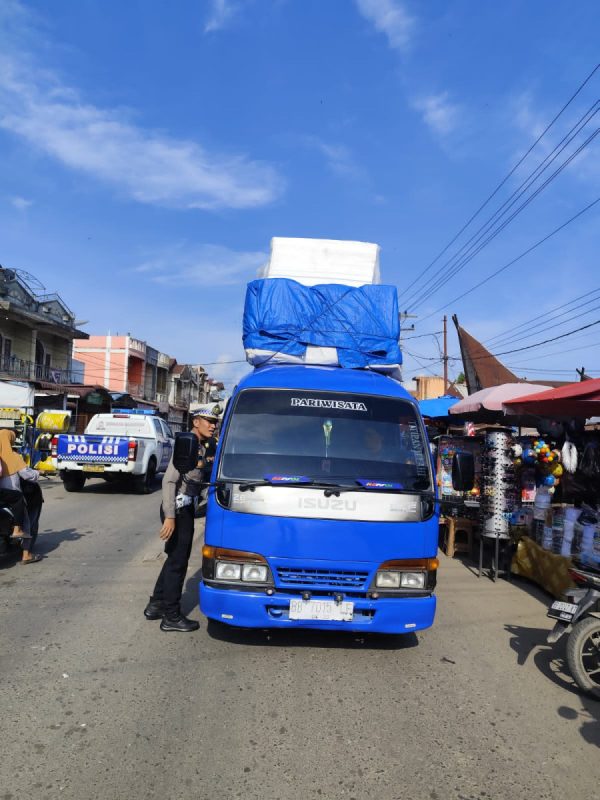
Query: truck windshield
[325,436]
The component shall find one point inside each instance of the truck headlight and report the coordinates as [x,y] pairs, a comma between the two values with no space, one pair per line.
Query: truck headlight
[223,564]
[386,579]
[255,573]
[412,580]
[228,571]
[416,574]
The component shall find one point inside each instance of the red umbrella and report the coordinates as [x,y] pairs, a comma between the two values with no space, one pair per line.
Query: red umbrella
[580,399]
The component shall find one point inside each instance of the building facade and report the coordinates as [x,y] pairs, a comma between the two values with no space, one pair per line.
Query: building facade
[36,332]
[126,365]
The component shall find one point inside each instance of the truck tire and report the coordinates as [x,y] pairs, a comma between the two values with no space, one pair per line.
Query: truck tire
[583,654]
[144,484]
[74,482]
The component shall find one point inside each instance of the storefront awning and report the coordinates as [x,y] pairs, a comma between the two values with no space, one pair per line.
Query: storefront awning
[581,399]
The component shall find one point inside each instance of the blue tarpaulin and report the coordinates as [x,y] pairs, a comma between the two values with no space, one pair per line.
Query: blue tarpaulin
[362,322]
[437,407]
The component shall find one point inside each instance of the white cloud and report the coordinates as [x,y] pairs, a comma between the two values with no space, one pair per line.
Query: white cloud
[203,265]
[438,112]
[148,166]
[21,203]
[531,121]
[220,14]
[390,18]
[339,158]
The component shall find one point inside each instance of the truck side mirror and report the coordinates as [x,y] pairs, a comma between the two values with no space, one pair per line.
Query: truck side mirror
[463,472]
[185,452]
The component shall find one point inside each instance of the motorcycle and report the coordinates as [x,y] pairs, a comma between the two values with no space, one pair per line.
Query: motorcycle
[578,615]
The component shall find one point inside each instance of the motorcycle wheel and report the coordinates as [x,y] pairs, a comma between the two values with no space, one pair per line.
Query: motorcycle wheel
[583,655]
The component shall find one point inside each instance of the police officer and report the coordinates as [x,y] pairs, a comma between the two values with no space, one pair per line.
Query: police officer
[180,494]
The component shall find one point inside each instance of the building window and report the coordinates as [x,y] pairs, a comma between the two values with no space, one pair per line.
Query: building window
[39,353]
[6,351]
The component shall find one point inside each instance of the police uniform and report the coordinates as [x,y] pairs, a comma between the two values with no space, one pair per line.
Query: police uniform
[180,496]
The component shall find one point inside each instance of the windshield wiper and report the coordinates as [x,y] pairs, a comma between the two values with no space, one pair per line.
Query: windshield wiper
[377,486]
[275,480]
[330,488]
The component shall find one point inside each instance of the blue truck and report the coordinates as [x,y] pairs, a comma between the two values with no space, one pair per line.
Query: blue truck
[321,512]
[322,509]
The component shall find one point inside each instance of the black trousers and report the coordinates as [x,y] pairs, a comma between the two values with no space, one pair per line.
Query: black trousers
[169,585]
[13,499]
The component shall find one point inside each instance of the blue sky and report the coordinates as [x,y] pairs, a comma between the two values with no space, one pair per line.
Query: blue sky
[150,150]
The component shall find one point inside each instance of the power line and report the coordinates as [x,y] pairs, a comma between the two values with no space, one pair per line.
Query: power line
[528,323]
[455,269]
[547,324]
[420,363]
[514,260]
[504,180]
[532,346]
[437,280]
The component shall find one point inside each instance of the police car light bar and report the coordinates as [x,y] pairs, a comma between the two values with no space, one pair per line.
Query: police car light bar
[147,411]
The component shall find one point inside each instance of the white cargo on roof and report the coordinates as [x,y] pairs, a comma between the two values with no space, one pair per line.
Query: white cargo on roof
[315,261]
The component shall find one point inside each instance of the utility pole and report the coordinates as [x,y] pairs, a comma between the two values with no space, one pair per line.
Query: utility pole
[404,315]
[445,356]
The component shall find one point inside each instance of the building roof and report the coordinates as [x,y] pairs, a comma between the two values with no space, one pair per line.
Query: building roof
[78,389]
[483,370]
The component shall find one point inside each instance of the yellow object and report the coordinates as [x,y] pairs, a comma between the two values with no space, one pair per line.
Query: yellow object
[54,421]
[546,569]
[46,466]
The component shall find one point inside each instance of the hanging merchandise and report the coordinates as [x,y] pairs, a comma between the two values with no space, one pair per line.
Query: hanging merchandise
[571,515]
[498,497]
[569,457]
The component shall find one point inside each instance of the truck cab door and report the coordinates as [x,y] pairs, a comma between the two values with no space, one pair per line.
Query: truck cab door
[160,448]
[168,443]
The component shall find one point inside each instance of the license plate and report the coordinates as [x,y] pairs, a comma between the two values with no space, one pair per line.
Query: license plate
[562,610]
[321,610]
[94,468]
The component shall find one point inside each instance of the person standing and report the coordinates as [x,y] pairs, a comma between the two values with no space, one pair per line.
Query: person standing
[180,494]
[14,473]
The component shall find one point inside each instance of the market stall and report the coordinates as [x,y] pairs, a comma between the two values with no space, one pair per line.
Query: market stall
[495,485]
[563,462]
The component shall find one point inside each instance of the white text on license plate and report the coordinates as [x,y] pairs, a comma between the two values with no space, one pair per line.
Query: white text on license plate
[321,610]
[562,610]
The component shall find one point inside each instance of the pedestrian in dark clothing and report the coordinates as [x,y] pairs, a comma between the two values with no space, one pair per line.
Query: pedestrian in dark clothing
[14,475]
[180,494]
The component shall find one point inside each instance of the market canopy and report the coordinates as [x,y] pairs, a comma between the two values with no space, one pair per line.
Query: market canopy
[438,407]
[581,399]
[494,398]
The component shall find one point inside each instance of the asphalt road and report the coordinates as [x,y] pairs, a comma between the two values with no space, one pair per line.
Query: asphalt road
[96,702]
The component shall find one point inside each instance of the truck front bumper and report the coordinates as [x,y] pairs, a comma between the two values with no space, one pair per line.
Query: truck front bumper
[250,609]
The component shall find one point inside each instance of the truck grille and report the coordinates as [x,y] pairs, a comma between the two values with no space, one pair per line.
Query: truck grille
[306,576]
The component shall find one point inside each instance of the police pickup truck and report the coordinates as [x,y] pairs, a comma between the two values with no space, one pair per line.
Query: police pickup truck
[126,445]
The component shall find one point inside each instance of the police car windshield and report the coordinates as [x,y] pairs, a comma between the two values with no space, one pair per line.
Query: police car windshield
[327,436]
[119,424]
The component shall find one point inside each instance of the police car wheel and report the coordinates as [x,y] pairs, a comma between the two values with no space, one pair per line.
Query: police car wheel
[145,483]
[74,483]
